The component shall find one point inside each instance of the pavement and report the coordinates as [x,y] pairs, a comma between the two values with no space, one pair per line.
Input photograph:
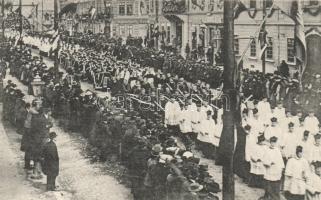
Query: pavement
[14,184]
[241,188]
[79,179]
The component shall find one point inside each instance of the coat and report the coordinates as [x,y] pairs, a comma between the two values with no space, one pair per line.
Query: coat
[39,133]
[50,165]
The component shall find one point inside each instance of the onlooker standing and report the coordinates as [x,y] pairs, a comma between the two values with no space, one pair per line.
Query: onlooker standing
[40,126]
[51,162]
[26,137]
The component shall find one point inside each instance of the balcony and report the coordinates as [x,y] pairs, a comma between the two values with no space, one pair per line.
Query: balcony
[174,7]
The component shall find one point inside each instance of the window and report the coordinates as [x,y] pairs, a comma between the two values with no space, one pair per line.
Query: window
[129,9]
[121,9]
[253,48]
[147,6]
[152,6]
[236,46]
[168,35]
[130,30]
[290,47]
[114,30]
[314,2]
[269,49]
[269,3]
[122,30]
[252,3]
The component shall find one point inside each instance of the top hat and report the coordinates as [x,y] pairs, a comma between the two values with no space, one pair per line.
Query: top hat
[52,135]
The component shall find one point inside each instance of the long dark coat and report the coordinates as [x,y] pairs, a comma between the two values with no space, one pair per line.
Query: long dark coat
[50,165]
[39,132]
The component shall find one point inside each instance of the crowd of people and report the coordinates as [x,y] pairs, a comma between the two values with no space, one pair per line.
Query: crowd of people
[163,101]
[158,165]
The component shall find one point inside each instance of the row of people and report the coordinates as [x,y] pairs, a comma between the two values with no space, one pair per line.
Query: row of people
[102,128]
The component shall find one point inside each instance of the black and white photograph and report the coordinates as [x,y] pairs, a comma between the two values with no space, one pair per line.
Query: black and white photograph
[160,100]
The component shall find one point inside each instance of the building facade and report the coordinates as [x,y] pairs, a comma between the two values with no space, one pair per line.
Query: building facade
[199,23]
[280,36]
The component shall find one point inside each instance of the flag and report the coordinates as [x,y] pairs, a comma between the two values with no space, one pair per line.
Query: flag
[263,40]
[33,11]
[54,45]
[55,34]
[17,40]
[18,10]
[293,9]
[240,7]
[92,12]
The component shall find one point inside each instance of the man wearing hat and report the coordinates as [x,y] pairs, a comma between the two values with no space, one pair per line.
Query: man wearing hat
[172,111]
[289,143]
[186,124]
[274,166]
[296,172]
[306,142]
[257,169]
[314,182]
[255,121]
[206,136]
[312,123]
[39,134]
[279,111]
[273,130]
[316,149]
[197,117]
[264,109]
[50,164]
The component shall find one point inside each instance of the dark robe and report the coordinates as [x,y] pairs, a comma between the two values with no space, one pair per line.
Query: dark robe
[241,167]
[39,132]
[50,165]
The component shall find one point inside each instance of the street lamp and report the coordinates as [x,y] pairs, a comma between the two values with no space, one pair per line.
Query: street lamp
[37,86]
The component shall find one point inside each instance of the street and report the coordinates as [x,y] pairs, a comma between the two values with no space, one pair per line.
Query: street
[93,180]
[16,183]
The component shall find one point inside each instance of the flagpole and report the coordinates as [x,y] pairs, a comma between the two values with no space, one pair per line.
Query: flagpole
[21,24]
[263,31]
[256,33]
[56,27]
[42,16]
[2,12]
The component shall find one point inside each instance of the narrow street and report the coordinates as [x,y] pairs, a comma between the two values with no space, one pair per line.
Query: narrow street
[77,174]
[14,184]
[78,179]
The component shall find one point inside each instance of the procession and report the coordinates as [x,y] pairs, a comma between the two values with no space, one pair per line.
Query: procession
[170,116]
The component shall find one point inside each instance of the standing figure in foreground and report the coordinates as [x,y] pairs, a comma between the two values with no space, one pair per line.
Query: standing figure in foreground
[51,162]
